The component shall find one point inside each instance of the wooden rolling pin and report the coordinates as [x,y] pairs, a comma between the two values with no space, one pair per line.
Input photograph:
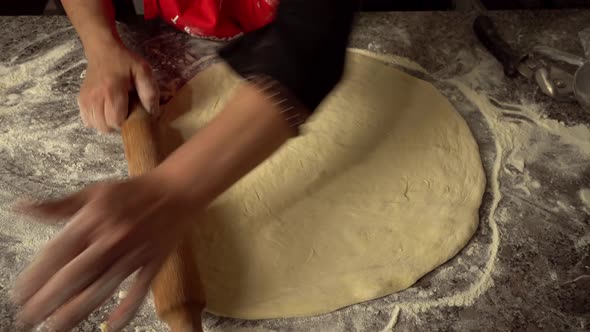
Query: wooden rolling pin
[177,289]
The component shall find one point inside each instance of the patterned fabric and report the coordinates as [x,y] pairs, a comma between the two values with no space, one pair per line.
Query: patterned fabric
[294,52]
[216,19]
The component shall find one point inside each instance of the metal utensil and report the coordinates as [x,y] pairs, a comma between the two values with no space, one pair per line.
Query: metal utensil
[513,62]
[553,81]
[581,78]
[556,83]
[582,85]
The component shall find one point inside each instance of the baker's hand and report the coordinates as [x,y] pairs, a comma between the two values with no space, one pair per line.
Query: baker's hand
[115,229]
[112,72]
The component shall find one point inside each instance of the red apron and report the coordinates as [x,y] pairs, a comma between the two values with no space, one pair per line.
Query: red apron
[217,19]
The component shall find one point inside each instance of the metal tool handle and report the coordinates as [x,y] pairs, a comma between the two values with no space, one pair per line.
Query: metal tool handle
[559,55]
[487,34]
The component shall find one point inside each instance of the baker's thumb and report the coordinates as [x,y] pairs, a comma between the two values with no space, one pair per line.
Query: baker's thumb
[52,211]
[147,87]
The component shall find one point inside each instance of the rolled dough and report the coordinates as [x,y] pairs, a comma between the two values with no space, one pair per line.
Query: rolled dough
[383,186]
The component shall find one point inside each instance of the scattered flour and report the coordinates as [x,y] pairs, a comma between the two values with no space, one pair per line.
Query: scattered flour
[46,152]
[394,60]
[40,122]
[391,324]
[122,294]
[583,241]
[40,71]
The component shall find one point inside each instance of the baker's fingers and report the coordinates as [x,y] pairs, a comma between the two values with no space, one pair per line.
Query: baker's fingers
[116,108]
[71,279]
[138,292]
[98,118]
[147,87]
[58,252]
[54,210]
[68,316]
[83,114]
[91,103]
[68,281]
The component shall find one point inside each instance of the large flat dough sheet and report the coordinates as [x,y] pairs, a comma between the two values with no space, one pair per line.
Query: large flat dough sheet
[383,186]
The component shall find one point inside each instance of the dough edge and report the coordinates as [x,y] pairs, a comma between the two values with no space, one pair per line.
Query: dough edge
[315,309]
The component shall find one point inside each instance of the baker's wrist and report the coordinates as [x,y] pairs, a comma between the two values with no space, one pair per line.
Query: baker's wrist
[178,183]
[97,45]
[245,132]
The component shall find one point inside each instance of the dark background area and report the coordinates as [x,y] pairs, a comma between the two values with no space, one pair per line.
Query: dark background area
[125,7]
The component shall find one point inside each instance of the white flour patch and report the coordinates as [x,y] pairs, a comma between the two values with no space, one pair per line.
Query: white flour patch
[391,324]
[393,60]
[38,71]
[4,70]
[398,34]
[41,117]
[375,47]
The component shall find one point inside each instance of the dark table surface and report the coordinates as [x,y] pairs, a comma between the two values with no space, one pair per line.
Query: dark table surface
[527,267]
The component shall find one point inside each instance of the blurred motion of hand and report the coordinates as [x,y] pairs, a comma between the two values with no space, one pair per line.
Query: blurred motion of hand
[115,229]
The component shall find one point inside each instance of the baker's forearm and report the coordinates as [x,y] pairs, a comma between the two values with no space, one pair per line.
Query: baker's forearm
[94,20]
[246,132]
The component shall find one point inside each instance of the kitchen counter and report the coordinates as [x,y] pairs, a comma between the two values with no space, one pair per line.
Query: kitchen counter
[527,267]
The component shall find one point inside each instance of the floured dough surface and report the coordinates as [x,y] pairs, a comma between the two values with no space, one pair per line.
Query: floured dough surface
[383,186]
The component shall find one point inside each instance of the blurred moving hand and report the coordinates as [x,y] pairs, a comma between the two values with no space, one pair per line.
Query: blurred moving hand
[116,228]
